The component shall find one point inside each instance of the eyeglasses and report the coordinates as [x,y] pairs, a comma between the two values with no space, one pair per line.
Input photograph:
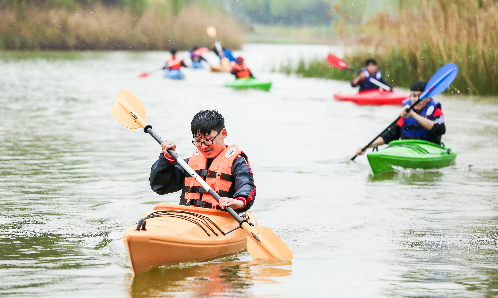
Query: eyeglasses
[206,142]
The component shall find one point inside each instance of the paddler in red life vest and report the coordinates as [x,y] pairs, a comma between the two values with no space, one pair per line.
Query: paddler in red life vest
[240,69]
[224,168]
[174,62]
[424,122]
[369,71]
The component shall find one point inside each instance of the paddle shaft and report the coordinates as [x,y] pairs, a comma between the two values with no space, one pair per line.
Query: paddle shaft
[387,128]
[184,165]
[373,81]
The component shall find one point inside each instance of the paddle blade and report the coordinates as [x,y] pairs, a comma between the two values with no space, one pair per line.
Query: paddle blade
[336,62]
[441,80]
[263,243]
[128,110]
[200,51]
[211,31]
[144,74]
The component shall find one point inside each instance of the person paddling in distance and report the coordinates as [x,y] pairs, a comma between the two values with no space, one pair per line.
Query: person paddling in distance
[196,57]
[424,122]
[240,69]
[174,62]
[369,71]
[225,168]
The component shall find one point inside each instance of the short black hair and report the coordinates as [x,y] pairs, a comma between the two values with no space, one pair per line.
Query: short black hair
[173,52]
[205,121]
[370,61]
[418,86]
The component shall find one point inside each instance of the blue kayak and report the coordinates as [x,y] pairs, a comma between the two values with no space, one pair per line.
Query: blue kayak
[196,64]
[174,74]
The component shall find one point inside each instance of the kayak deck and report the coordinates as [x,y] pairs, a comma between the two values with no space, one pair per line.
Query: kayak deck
[373,97]
[415,154]
[249,83]
[172,234]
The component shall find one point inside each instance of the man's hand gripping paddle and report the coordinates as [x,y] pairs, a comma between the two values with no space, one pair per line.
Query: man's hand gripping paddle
[341,64]
[441,80]
[262,243]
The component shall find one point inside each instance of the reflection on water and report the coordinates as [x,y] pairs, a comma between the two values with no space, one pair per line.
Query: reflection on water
[408,176]
[223,277]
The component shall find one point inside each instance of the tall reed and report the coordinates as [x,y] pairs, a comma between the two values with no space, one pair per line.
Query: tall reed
[426,34]
[99,27]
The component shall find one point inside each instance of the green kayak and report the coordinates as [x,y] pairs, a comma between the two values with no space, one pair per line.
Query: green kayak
[249,83]
[415,154]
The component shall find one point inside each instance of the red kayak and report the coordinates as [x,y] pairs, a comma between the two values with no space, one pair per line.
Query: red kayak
[373,97]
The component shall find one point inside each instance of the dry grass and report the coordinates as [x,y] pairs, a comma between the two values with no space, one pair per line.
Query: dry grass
[103,28]
[425,37]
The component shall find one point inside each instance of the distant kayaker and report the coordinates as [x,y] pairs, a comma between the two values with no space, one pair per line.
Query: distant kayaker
[424,122]
[196,56]
[240,69]
[225,168]
[369,71]
[174,62]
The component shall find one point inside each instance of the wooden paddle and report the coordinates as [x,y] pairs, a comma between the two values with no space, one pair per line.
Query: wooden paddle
[441,80]
[341,64]
[262,243]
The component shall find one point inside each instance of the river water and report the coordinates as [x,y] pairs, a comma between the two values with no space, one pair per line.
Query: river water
[73,179]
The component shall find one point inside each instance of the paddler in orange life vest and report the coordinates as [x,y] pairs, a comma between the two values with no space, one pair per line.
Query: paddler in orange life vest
[225,168]
[174,62]
[240,69]
[424,122]
[369,71]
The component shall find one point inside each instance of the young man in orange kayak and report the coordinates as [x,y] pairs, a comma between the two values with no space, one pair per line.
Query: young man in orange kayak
[424,122]
[240,69]
[369,71]
[224,168]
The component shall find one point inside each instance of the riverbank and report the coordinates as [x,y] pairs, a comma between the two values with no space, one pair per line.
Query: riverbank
[415,42]
[98,27]
[259,33]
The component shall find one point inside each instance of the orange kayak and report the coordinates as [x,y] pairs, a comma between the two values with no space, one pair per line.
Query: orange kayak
[173,234]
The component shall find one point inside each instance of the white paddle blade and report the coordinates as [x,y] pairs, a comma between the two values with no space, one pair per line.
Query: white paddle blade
[128,110]
[211,31]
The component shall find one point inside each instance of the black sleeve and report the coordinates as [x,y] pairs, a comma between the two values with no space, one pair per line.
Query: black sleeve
[439,128]
[167,177]
[202,58]
[392,134]
[244,181]
[183,64]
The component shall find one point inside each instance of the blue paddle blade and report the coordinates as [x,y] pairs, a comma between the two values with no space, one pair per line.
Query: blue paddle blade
[229,55]
[441,80]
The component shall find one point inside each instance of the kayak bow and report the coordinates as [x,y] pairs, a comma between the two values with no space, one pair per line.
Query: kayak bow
[415,154]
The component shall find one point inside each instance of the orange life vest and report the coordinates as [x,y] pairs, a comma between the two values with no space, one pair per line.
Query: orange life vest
[242,70]
[174,63]
[218,176]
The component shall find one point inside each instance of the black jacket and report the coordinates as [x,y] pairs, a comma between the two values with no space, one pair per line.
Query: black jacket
[168,177]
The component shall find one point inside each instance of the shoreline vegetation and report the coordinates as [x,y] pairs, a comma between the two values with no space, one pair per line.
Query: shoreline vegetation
[415,42]
[127,25]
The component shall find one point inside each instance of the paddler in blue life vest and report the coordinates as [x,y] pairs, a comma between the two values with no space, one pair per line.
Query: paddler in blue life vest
[240,69]
[424,122]
[225,168]
[369,71]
